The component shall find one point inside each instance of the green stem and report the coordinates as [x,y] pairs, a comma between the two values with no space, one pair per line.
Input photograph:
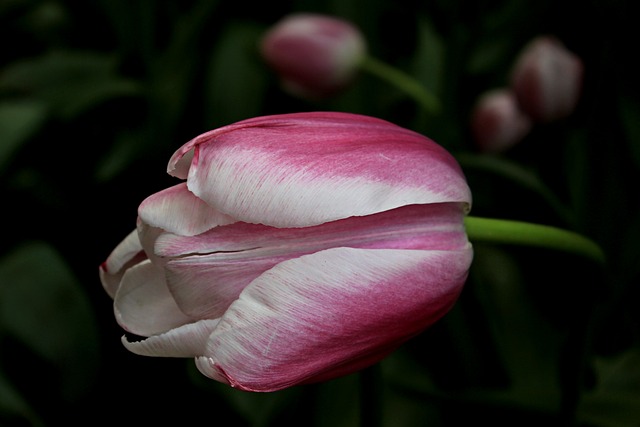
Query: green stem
[528,234]
[403,82]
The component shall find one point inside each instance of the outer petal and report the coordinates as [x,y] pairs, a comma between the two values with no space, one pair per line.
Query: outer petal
[185,341]
[178,211]
[311,318]
[127,253]
[206,273]
[143,304]
[304,169]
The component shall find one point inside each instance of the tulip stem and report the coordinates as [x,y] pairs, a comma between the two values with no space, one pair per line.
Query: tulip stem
[528,234]
[402,81]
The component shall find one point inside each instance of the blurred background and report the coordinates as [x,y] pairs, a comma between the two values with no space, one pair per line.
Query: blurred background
[96,96]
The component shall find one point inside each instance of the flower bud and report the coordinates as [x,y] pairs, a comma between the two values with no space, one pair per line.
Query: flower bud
[547,79]
[497,122]
[315,55]
[298,248]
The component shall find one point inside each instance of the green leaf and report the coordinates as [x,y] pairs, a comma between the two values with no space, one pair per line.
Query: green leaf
[43,306]
[256,409]
[125,150]
[236,79]
[615,401]
[69,82]
[19,120]
[429,58]
[630,116]
[514,172]
[13,405]
[527,343]
[336,402]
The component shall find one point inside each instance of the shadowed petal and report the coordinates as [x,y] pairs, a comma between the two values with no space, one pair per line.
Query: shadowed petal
[143,304]
[312,318]
[185,341]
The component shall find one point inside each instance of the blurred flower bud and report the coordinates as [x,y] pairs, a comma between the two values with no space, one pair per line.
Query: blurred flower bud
[315,55]
[547,79]
[497,123]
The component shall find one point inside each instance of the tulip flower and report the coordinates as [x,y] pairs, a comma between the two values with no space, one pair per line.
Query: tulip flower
[297,248]
[547,79]
[497,123]
[315,55]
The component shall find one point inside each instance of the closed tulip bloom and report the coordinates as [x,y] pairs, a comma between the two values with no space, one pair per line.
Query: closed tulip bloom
[315,55]
[547,79]
[298,248]
[497,123]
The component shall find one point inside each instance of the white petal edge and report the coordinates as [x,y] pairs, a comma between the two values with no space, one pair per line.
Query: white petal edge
[185,341]
[177,210]
[112,269]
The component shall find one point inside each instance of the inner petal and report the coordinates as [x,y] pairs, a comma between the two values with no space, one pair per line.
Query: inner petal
[206,273]
[433,226]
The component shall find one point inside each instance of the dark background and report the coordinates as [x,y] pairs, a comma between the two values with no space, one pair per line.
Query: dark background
[96,96]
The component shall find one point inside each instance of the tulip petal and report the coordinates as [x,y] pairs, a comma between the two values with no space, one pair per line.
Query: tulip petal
[312,318]
[143,304]
[305,169]
[206,273]
[185,341]
[127,253]
[177,210]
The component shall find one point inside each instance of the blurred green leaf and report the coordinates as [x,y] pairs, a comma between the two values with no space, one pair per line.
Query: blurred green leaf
[125,149]
[528,344]
[13,405]
[518,174]
[630,116]
[19,120]
[236,80]
[259,409]
[70,82]
[615,401]
[488,57]
[43,306]
[429,57]
[337,402]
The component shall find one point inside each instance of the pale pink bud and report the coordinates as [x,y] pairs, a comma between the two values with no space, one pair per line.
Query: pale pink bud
[315,55]
[547,79]
[497,123]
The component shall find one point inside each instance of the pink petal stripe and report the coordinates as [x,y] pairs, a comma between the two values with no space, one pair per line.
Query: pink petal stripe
[127,253]
[178,211]
[185,341]
[206,273]
[143,304]
[322,315]
[305,169]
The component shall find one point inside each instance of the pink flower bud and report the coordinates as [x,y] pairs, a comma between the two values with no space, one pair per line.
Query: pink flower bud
[497,123]
[301,247]
[316,56]
[547,79]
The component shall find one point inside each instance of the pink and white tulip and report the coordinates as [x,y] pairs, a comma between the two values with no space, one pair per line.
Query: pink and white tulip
[301,247]
[315,55]
[547,79]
